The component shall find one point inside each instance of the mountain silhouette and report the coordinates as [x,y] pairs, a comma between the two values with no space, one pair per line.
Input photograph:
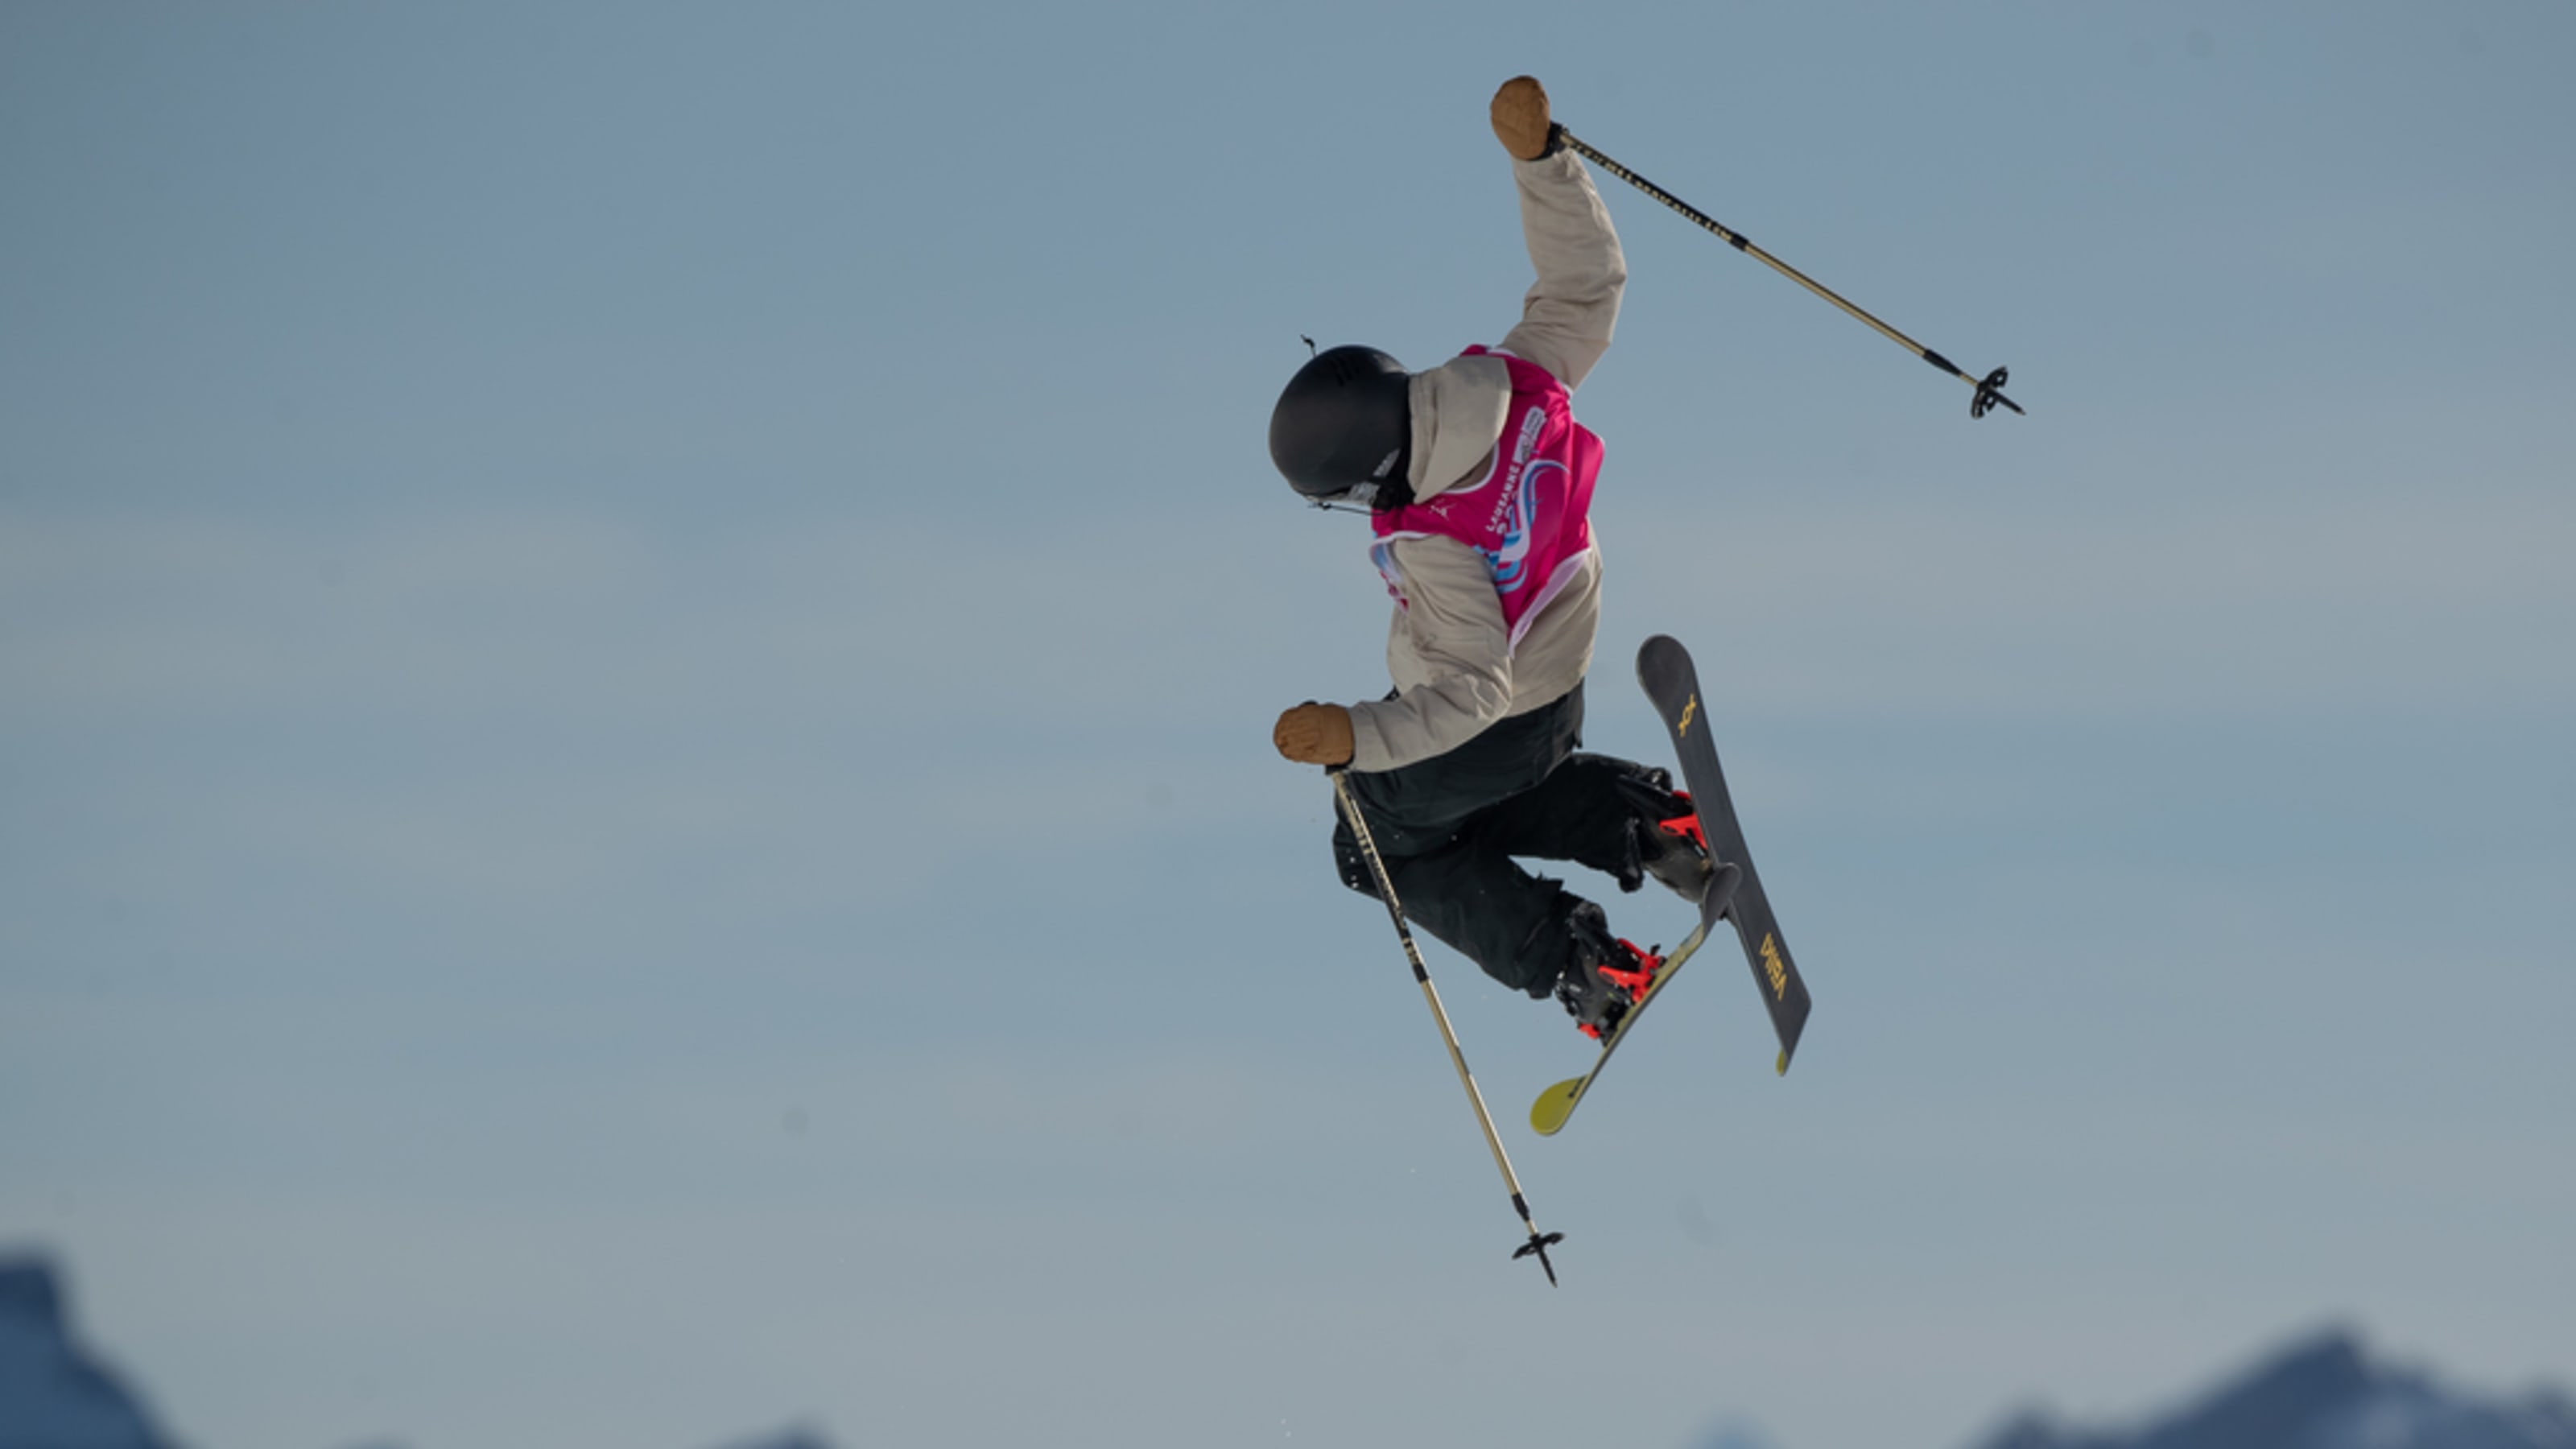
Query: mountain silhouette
[53,1393]
[2321,1392]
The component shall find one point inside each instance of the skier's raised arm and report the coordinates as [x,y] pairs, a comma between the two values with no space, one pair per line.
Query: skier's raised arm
[1567,317]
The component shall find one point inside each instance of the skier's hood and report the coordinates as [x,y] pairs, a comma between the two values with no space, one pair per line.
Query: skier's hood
[1458,411]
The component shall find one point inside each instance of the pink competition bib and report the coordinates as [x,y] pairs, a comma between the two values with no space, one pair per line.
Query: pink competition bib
[1527,517]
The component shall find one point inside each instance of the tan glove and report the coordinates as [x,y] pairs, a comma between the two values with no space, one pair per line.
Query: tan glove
[1315,734]
[1520,118]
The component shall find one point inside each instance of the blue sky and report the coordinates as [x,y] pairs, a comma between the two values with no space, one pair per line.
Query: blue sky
[637,643]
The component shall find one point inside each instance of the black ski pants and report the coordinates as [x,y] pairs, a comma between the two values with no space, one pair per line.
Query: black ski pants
[1449,826]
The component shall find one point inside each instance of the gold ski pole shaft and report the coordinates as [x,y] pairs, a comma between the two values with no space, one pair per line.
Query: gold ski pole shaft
[1989,389]
[1350,809]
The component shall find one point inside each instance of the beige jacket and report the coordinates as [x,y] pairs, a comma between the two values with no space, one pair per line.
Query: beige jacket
[1452,658]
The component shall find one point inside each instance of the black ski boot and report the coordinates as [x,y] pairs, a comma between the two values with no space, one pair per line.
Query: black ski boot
[1606,977]
[1677,855]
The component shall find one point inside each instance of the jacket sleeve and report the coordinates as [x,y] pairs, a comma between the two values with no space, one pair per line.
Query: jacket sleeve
[1568,315]
[1451,654]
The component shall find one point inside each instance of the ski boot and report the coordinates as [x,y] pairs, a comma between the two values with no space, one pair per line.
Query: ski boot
[1678,856]
[1607,977]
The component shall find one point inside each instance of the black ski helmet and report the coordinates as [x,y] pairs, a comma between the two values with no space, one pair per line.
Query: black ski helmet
[1343,424]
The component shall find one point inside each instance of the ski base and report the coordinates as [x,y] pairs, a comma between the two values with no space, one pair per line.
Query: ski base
[1670,680]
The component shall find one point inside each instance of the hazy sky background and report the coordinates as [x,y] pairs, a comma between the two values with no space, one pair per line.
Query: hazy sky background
[637,646]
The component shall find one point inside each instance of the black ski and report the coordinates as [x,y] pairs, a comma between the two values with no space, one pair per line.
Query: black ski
[1664,668]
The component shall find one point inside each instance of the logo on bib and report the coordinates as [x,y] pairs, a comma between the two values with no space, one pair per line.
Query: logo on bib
[1509,558]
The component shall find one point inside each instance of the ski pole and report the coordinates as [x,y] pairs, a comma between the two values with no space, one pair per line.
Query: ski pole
[1386,892]
[1989,390]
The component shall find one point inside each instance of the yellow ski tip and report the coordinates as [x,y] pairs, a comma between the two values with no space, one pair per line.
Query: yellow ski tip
[1554,1105]
[1782,1069]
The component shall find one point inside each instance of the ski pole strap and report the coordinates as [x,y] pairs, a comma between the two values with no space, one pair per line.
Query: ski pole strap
[1989,390]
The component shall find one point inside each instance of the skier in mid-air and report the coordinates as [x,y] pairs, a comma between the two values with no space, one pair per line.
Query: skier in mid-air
[1478,483]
